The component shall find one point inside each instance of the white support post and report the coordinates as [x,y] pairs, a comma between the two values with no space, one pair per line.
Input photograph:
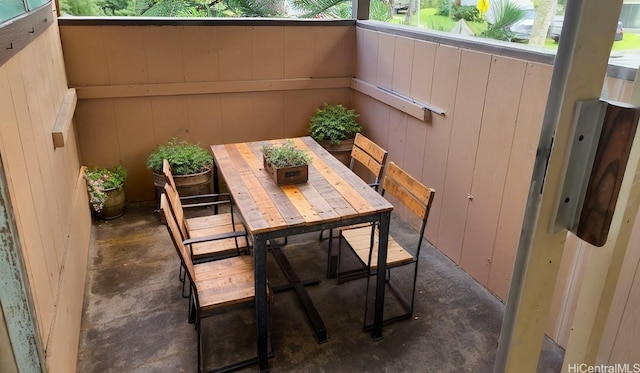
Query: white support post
[579,70]
[604,265]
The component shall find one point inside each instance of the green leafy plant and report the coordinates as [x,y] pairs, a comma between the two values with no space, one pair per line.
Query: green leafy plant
[99,180]
[504,15]
[467,12]
[437,24]
[285,155]
[334,123]
[184,158]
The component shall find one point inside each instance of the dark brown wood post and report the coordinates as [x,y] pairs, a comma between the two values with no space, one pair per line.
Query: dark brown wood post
[616,137]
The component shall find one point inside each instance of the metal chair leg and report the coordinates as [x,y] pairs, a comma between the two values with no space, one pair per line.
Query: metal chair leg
[200,354]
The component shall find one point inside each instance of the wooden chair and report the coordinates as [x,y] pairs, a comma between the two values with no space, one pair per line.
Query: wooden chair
[214,285]
[209,237]
[215,236]
[203,200]
[370,155]
[363,241]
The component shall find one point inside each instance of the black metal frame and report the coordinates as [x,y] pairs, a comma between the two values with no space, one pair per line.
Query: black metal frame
[260,246]
[368,272]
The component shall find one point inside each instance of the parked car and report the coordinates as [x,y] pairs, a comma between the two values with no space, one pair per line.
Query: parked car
[556,29]
[522,29]
[400,5]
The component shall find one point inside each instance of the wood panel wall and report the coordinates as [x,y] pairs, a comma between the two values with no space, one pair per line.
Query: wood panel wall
[139,86]
[478,155]
[48,195]
[623,326]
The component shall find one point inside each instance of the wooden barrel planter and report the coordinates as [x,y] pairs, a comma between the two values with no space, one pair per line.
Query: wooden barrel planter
[113,206]
[187,185]
[341,151]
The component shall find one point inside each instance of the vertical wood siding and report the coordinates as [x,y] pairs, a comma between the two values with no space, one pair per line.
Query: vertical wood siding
[48,196]
[126,129]
[478,156]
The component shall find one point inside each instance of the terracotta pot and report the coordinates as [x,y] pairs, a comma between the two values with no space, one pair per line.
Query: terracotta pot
[341,151]
[113,206]
[187,185]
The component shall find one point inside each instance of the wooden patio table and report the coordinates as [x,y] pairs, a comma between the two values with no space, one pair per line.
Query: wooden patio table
[334,196]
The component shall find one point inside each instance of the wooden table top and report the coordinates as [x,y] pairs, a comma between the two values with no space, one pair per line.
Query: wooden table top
[333,192]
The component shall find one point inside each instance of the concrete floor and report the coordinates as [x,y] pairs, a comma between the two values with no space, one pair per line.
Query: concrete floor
[135,320]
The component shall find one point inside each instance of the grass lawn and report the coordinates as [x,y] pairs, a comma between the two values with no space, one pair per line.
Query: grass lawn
[427,18]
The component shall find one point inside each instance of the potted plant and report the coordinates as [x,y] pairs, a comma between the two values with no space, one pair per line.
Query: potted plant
[106,191]
[334,127]
[191,166]
[286,164]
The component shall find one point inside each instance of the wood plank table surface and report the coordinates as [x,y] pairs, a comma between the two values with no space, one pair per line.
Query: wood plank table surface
[333,196]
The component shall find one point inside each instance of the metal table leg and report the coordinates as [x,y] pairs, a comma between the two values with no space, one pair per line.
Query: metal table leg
[260,268]
[383,243]
[319,328]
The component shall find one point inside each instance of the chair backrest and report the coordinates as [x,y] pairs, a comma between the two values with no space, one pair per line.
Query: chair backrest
[173,200]
[410,192]
[168,175]
[174,232]
[370,155]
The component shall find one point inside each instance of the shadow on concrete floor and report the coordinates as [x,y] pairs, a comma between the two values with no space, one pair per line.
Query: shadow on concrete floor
[135,320]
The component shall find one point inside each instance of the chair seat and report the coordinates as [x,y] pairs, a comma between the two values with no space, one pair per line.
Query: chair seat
[203,222]
[221,246]
[225,282]
[360,241]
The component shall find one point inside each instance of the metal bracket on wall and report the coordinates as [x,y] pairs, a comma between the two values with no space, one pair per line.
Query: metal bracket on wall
[586,128]
[603,133]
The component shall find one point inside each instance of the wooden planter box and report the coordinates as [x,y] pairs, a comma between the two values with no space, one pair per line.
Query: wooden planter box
[287,175]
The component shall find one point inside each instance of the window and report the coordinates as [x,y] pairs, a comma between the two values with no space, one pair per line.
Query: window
[21,21]
[10,9]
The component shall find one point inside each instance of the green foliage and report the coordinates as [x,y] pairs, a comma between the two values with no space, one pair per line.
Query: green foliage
[101,179]
[316,8]
[184,158]
[438,24]
[444,9]
[467,12]
[434,3]
[255,8]
[80,8]
[334,123]
[380,10]
[506,14]
[285,155]
[114,7]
